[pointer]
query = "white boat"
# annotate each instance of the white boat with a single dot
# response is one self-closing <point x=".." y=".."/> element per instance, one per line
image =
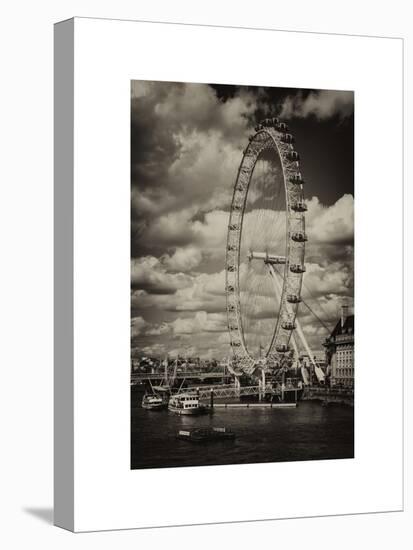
<point x="186" y="403"/>
<point x="153" y="402"/>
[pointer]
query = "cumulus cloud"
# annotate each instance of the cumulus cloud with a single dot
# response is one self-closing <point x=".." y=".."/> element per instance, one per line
<point x="177" y="337"/>
<point x="321" y="104"/>
<point x="157" y="330"/>
<point x="330" y="231"/>
<point x="183" y="259"/>
<point x="185" y="143"/>
<point x="137" y="325"/>
<point x="327" y="279"/>
<point x="183" y="231"/>
<point x="200" y="322"/>
<point x="186" y="148"/>
<point x="205" y="291"/>
<point x="149" y="274"/>
<point x="333" y="224"/>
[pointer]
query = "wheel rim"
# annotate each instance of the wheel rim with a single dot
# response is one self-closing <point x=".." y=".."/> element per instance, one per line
<point x="269" y="135"/>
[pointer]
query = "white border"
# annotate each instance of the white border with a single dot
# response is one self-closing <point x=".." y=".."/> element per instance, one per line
<point x="108" y="54"/>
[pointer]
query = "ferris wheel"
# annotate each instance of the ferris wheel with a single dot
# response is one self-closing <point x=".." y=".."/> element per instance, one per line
<point x="265" y="249"/>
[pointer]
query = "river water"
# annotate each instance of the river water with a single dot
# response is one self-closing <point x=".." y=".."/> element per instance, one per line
<point x="308" y="432"/>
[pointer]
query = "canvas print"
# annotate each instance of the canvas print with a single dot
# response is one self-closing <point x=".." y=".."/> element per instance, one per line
<point x="242" y="274"/>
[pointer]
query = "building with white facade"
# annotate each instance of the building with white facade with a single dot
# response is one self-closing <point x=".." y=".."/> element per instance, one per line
<point x="340" y="351"/>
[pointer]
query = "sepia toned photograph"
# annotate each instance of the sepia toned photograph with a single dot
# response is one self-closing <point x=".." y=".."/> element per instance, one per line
<point x="242" y="274"/>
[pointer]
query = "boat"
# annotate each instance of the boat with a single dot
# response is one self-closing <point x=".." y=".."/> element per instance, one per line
<point x="186" y="403"/>
<point x="152" y="401"/>
<point x="200" y="435"/>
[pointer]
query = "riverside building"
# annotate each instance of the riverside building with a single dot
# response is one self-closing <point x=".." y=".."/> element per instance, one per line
<point x="340" y="351"/>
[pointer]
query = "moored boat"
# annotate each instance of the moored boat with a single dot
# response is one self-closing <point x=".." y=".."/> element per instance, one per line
<point x="206" y="434"/>
<point x="186" y="403"/>
<point x="154" y="402"/>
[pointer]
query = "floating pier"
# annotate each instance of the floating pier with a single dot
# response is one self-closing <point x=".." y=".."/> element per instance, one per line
<point x="259" y="405"/>
<point x="328" y="396"/>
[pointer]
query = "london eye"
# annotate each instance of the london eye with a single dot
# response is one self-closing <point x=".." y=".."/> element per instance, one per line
<point x="265" y="253"/>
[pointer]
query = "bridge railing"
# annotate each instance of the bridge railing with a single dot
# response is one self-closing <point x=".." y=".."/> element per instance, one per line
<point x="185" y="374"/>
<point x="331" y="391"/>
<point x="233" y="391"/>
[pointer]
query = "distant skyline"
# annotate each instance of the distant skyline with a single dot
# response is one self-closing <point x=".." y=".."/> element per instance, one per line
<point x="186" y="146"/>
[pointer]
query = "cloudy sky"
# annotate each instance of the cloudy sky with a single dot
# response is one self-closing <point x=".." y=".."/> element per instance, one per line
<point x="186" y="146"/>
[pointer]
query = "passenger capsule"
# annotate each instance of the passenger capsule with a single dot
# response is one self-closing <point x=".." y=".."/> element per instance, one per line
<point x="293" y="298"/>
<point x="299" y="206"/>
<point x="287" y="138"/>
<point x="282" y="348"/>
<point x="299" y="237"/>
<point x="292" y="155"/>
<point x="296" y="179"/>
<point x="288" y="325"/>
<point x="297" y="268"/>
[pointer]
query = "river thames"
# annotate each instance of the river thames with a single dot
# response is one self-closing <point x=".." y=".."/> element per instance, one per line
<point x="307" y="432"/>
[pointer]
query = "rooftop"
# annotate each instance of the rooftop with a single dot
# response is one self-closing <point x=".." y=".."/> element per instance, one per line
<point x="347" y="328"/>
